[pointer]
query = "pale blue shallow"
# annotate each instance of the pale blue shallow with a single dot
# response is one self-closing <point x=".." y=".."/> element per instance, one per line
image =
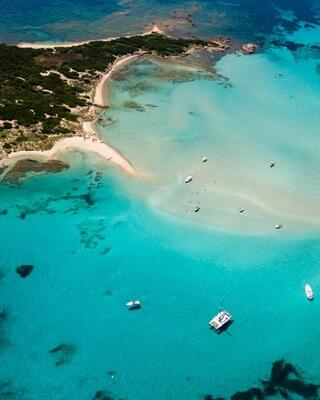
<point x="179" y="271"/>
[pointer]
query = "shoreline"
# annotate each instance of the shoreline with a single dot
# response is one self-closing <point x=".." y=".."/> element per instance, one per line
<point x="88" y="139"/>
<point x="90" y="143"/>
<point x="99" y="99"/>
<point x="46" y="45"/>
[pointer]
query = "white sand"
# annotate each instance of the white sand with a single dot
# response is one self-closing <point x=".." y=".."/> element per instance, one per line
<point x="91" y="144"/>
<point x="154" y="29"/>
<point x="99" y="98"/>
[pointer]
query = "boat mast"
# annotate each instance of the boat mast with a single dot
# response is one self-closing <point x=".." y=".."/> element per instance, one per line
<point x="221" y="303"/>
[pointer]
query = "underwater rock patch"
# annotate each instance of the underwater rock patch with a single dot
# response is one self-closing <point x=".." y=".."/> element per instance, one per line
<point x="4" y="315"/>
<point x="24" y="270"/>
<point x="102" y="395"/>
<point x="133" y="105"/>
<point x="92" y="235"/>
<point x="7" y="391"/>
<point x="22" y="167"/>
<point x="105" y="251"/>
<point x="3" y="212"/>
<point x="63" y="353"/>
<point x="284" y="381"/>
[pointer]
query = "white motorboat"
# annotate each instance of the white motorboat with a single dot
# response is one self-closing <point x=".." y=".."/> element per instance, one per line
<point x="133" y="304"/>
<point x="188" y="179"/>
<point x="205" y="159"/>
<point x="309" y="291"/>
<point x="241" y="210"/>
<point x="272" y="165"/>
<point x="196" y="209"/>
<point x="279" y="226"/>
<point x="222" y="319"/>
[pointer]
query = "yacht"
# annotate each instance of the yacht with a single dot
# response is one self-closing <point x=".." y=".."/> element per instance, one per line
<point x="221" y="320"/>
<point x="188" y="179"/>
<point x="309" y="291"/>
<point x="133" y="305"/>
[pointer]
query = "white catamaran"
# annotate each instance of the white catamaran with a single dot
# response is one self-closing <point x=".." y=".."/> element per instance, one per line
<point x="221" y="320"/>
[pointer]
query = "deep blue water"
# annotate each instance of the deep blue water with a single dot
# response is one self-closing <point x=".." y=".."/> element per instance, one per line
<point x="57" y="20"/>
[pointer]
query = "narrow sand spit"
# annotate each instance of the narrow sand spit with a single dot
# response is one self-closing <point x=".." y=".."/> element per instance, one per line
<point x="91" y="141"/>
<point x="91" y="144"/>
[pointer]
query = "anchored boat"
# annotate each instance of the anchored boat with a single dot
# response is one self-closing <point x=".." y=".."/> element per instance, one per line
<point x="188" y="179"/>
<point x="133" y="305"/>
<point x="221" y="320"/>
<point x="309" y="291"/>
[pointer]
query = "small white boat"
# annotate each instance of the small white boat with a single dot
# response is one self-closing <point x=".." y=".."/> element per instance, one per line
<point x="196" y="209"/>
<point x="222" y="319"/>
<point x="241" y="210"/>
<point x="279" y="226"/>
<point x="188" y="179"/>
<point x="133" y="304"/>
<point x="272" y="165"/>
<point x="205" y="159"/>
<point x="309" y="291"/>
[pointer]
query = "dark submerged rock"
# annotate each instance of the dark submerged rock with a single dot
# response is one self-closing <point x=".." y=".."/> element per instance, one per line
<point x="24" y="270"/>
<point x="102" y="395"/>
<point x="250" y="394"/>
<point x="22" y="167"/>
<point x="285" y="380"/>
<point x="88" y="198"/>
<point x="63" y="353"/>
<point x="7" y="391"/>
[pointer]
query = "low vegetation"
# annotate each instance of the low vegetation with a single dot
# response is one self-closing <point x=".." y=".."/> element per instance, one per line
<point x="42" y="91"/>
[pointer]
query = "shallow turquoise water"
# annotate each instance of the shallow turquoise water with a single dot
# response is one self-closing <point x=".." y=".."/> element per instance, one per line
<point x="179" y="271"/>
<point x="258" y="109"/>
<point x="97" y="239"/>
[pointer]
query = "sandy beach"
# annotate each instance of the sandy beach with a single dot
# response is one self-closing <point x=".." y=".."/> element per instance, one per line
<point x="45" y="45"/>
<point x="100" y="97"/>
<point x="90" y="143"/>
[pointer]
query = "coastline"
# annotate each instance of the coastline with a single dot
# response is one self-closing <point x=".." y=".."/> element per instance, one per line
<point x="87" y="139"/>
<point x="45" y="45"/>
<point x="101" y="99"/>
<point x="90" y="143"/>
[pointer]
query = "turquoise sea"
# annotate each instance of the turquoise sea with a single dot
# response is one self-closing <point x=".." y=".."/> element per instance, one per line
<point x="98" y="238"/>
